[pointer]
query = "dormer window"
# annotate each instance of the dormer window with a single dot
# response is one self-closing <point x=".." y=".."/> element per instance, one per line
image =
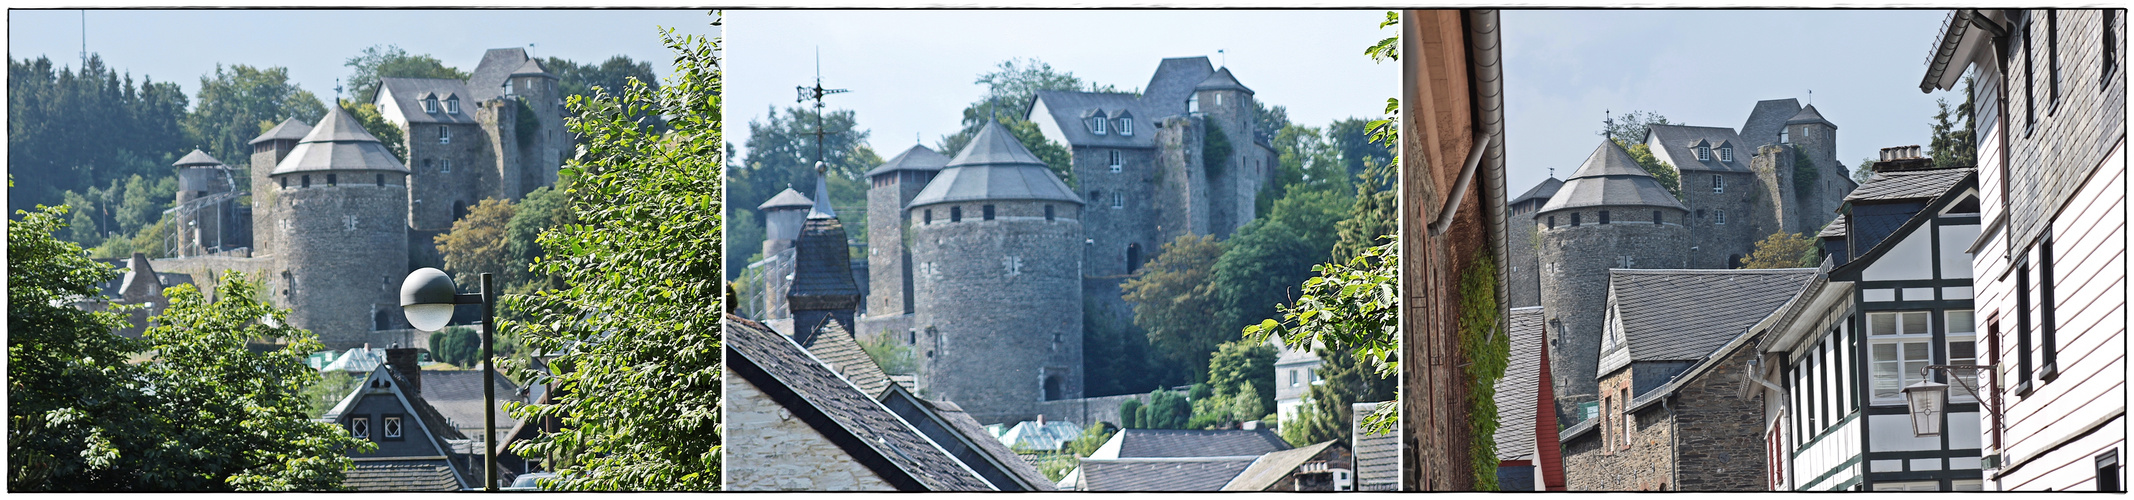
<point x="392" y="428"/>
<point x="1726" y="153"/>
<point x="452" y="105"/>
<point x="1126" y="125"/>
<point x="1117" y="163"/>
<point x="1704" y="153"/>
<point x="1098" y="124"/>
<point x="429" y="104"/>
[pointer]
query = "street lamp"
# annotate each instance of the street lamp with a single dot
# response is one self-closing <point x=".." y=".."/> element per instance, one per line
<point x="1928" y="399"/>
<point x="428" y="298"/>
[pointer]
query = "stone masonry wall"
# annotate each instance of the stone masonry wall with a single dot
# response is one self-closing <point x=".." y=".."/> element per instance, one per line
<point x="1574" y="263"/>
<point x="999" y="307"/>
<point x="433" y="190"/>
<point x="1086" y="411"/>
<point x="1720" y="446"/>
<point x="781" y="453"/>
<point x="1743" y="199"/>
<point x="265" y="219"/>
<point x="1524" y="245"/>
<point x="344" y="255"/>
<point x="1613" y="458"/>
<point x="888" y="259"/>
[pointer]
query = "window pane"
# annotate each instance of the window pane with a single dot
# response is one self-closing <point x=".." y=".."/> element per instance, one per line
<point x="1961" y="321"/>
<point x="1915" y="323"/>
<point x="1881" y="324"/>
<point x="1915" y="351"/>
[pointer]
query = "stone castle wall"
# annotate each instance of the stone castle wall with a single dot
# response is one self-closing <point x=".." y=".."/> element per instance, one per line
<point x="266" y="221"/>
<point x="1616" y="456"/>
<point x="1721" y="446"/>
<point x="1086" y="411"/>
<point x="1718" y="242"/>
<point x="888" y="258"/>
<point x="434" y="191"/>
<point x="998" y="311"/>
<point x="1574" y="263"/>
<point x="1523" y="277"/>
<point x="344" y="255"/>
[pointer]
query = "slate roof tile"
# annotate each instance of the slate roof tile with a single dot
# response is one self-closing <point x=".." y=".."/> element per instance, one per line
<point x="401" y="475"/>
<point x="1155" y="443"/>
<point x="1272" y="467"/>
<point x="1908" y="185"/>
<point x="1377" y="455"/>
<point x="1683" y="314"/>
<point x="1609" y="177"/>
<point x="1521" y="384"/>
<point x="1162" y="474"/>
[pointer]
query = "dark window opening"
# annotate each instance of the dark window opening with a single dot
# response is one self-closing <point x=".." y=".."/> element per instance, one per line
<point x="1733" y="261"/>
<point x="381" y="320"/>
<point x="1656" y="217"/>
<point x="1700" y="213"/>
<point x="955" y="214"/>
<point x="1048" y="213"/>
<point x="307" y="181"/>
<point x="2111" y="45"/>
<point x="988" y="211"/>
<point x="459" y="210"/>
<point x="425" y="163"/>
<point x="381" y="179"/>
<point x="1604" y="216"/>
<point x="1133" y="257"/>
<point x="2108" y="471"/>
<point x="2052" y="57"/>
<point x="2023" y="329"/>
<point x="2030" y="80"/>
<point x="285" y="183"/>
<point x="1052" y="387"/>
<point x="1574" y="219"/>
<point x="333" y="180"/>
<point x="929" y="216"/>
<point x="2047" y="317"/>
<point x="1552" y="222"/>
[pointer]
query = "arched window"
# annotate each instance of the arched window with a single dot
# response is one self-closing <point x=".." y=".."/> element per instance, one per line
<point x="1133" y="257"/>
<point x="1052" y="387"/>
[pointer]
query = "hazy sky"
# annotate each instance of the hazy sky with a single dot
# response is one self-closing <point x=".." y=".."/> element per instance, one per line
<point x="182" y="45"/>
<point x="911" y="72"/>
<point x="1565" y="68"/>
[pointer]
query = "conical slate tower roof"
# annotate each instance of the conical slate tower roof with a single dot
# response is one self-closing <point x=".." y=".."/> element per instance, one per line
<point x="787" y="199"/>
<point x="1221" y="80"/>
<point x="532" y="67"/>
<point x="1610" y="177"/>
<point x="995" y="166"/>
<point x="1808" y="114"/>
<point x="821" y="209"/>
<point x="290" y="129"/>
<point x="197" y="158"/>
<point x="918" y="158"/>
<point x="339" y="143"/>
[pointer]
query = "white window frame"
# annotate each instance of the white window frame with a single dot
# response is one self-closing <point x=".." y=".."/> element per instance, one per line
<point x="1193" y="103"/>
<point x="1097" y="126"/>
<point x="1961" y="332"/>
<point x="429" y="104"/>
<point x="1293" y="378"/>
<point x="1894" y="370"/>
<point x="1118" y="200"/>
<point x="1719" y="217"/>
<point x="1718" y="183"/>
<point x="1726" y="154"/>
<point x="1126" y="125"/>
<point x="444" y="165"/>
<point x="1118" y="162"/>
<point x="393" y="428"/>
<point x="359" y="427"/>
<point x="1785" y="135"/>
<point x="452" y="105"/>
<point x="1704" y="153"/>
<point x="444" y="134"/>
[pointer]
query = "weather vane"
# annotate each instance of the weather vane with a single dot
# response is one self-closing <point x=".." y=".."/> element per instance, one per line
<point x="1609" y="130"/>
<point x="816" y="94"/>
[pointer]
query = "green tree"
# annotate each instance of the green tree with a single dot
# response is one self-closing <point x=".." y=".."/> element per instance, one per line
<point x="1303" y="160"/>
<point x="333" y="386"/>
<point x="1262" y="263"/>
<point x="1011" y="89"/>
<point x="379" y="62"/>
<point x="1864" y="172"/>
<point x="1092" y="437"/>
<point x="635" y="325"/>
<point x="781" y="154"/>
<point x="1374" y="216"/>
<point x="1661" y="171"/>
<point x="612" y="74"/>
<point x="1351" y="140"/>
<point x="1174" y="299"/>
<point x="391" y="135"/>
<point x="233" y="101"/>
<point x="1954" y="144"/>
<point x="1344" y="380"/>
<point x="475" y="244"/>
<point x="1630" y="128"/>
<point x="1165" y="410"/>
<point x="85" y="412"/>
<point x="894" y="357"/>
<point x="1243" y="374"/>
<point x="1130" y="414"/>
<point x="1350" y="306"/>
<point x="1783" y="250"/>
<point x="456" y="345"/>
<point x="76" y="130"/>
<point x="545" y="207"/>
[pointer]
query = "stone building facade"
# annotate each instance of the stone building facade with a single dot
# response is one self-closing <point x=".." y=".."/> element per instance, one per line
<point x="1708" y="437"/>
<point x="341" y="198"/>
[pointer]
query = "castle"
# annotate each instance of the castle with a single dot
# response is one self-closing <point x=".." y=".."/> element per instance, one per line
<point x="1737" y="187"/>
<point x="336" y="220"/>
<point x="986" y="263"/>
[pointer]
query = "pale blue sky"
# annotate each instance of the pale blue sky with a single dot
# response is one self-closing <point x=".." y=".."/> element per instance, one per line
<point x="1565" y="68"/>
<point x="911" y="72"/>
<point x="182" y="45"/>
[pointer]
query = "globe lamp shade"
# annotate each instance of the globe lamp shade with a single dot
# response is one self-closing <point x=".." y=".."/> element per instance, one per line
<point x="428" y="298"/>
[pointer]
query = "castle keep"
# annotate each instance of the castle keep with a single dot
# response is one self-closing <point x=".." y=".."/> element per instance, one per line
<point x="337" y="220"/>
<point x="985" y="263"/>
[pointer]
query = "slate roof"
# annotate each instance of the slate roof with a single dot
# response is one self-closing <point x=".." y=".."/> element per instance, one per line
<point x="197" y="158"/>
<point x="408" y="93"/>
<point x="1908" y="185"/>
<point x="786" y="199"/>
<point x="532" y="67"/>
<point x="822" y="269"/>
<point x="1809" y="115"/>
<point x="401" y="475"/>
<point x="839" y="352"/>
<point x="1609" y="177"/>
<point x="1679" y="140"/>
<point x="1521" y="384"/>
<point x="1767" y="119"/>
<point x="1221" y="80"/>
<point x="357" y="359"/>
<point x="995" y="166"/>
<point x="1068" y="108"/>
<point x="443" y="437"/>
<point x="918" y="158"/>
<point x="1683" y="314"/>
<point x="1835" y="229"/>
<point x="1028" y="434"/>
<point x="497" y="65"/>
<point x="1173" y="81"/>
<point x="339" y="143"/>
<point x="1272" y="467"/>
<point x="1545" y="190"/>
<point x="851" y="411"/>
<point x="1161" y="474"/>
<point x="457" y="394"/>
<point x="1377" y="455"/>
<point x="290" y="129"/>
<point x="962" y="423"/>
<point x="1174" y="443"/>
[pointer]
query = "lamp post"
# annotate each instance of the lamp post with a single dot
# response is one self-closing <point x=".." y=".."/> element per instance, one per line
<point x="428" y="298"/>
<point x="1928" y="399"/>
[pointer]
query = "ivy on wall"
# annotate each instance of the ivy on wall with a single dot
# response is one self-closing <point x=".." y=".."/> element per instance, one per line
<point x="1214" y="149"/>
<point x="1487" y="350"/>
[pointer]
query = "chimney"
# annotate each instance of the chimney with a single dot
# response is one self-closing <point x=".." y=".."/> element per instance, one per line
<point x="1902" y="158"/>
<point x="407" y="364"/>
<point x="1040" y="420"/>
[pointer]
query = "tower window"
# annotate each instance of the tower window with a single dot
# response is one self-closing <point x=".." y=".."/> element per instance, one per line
<point x="1118" y="200"/>
<point x="1574" y="219"/>
<point x="333" y="180"/>
<point x="452" y="105"/>
<point x="1718" y="184"/>
<point x="1133" y="257"/>
<point x="929" y="216"/>
<point x="285" y="183"/>
<point x="1218" y="98"/>
<point x="381" y="179"/>
<point x="955" y="214"/>
<point x="1048" y="213"/>
<point x="1656" y="217"/>
<point x="1604" y="216"/>
<point x="307" y="181"/>
<point x="427" y="164"/>
<point x="444" y="134"/>
<point x="988" y="211"/>
<point x="1718" y="216"/>
<point x="1552" y="222"/>
<point x="1117" y="162"/>
<point x="1193" y="103"/>
<point x="1784" y="137"/>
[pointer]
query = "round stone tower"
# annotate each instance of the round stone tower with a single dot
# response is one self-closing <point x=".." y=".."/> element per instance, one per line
<point x="893" y="185"/>
<point x="203" y="182"/>
<point x="267" y="151"/>
<point x="1610" y="214"/>
<point x="1227" y="105"/>
<point x="343" y="201"/>
<point x="541" y="149"/>
<point x="782" y="216"/>
<point x="996" y="252"/>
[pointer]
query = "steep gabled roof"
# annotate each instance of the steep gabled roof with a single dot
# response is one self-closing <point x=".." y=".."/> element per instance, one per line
<point x="497" y="65"/>
<point x="833" y="407"/>
<point x="952" y="428"/>
<point x="532" y="67"/>
<point x="1160" y="474"/>
<point x="1609" y="177"/>
<point x="1836" y="229"/>
<point x="1683" y="314"/>
<point x="1520" y="385"/>
<point x="1545" y="190"/>
<point x="839" y="352"/>
<point x="408" y="94"/>
<point x="1174" y="80"/>
<point x="1808" y="114"/>
<point x="1767" y="119"/>
<point x="1172" y="443"/>
<point x="339" y="143"/>
<point x="995" y="166"/>
<point x="1066" y="109"/>
<point x="384" y="381"/>
<point x="1272" y="467"/>
<point x="1680" y="141"/>
<point x="290" y="129"/>
<point x="918" y="158"/>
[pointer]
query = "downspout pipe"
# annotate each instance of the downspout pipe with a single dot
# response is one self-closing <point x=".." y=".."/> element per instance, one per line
<point x="1459" y="187"/>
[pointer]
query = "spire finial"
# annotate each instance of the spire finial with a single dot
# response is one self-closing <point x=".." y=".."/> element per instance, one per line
<point x="1608" y="130"/>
